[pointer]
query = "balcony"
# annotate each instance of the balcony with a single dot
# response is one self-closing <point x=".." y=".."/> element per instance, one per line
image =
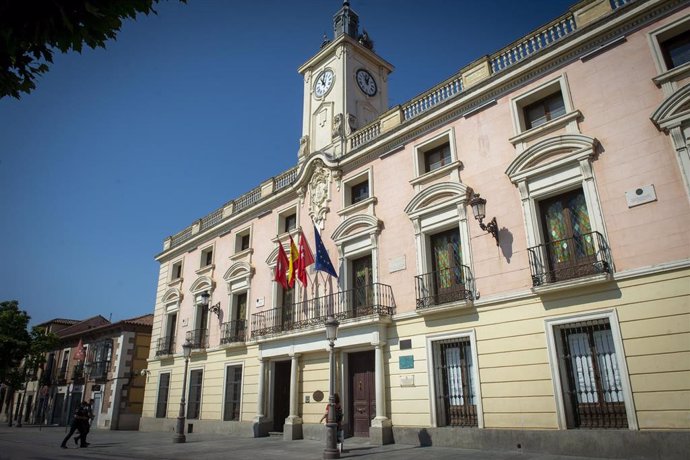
<point x="99" y="370"/>
<point x="165" y="346"/>
<point x="198" y="338"/>
<point x="446" y="286"/>
<point x="569" y="259"/>
<point x="78" y="373"/>
<point x="373" y="299"/>
<point x="233" y="331"/>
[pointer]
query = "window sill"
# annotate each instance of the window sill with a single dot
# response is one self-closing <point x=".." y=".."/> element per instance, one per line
<point x="175" y="282"/>
<point x="550" y="125"/>
<point x="572" y="284"/>
<point x="206" y="269"/>
<point x="445" y="308"/>
<point x="283" y="236"/>
<point x="676" y="73"/>
<point x="427" y="177"/>
<point x="359" y="206"/>
<point x="241" y="254"/>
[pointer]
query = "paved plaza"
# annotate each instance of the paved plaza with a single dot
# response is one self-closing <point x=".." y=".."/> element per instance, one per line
<point x="43" y="443"/>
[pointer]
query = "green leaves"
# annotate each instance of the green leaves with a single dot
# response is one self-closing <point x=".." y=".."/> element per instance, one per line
<point x="31" y="29"/>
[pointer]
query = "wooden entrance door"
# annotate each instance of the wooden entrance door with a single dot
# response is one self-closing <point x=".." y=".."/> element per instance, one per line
<point x="362" y="392"/>
<point x="281" y="394"/>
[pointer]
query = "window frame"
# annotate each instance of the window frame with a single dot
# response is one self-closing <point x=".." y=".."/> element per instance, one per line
<point x="177" y="265"/>
<point x="348" y="207"/>
<point x="239" y="240"/>
<point x="207" y="251"/>
<point x="158" y="396"/>
<point x="428" y="145"/>
<point x="430" y="341"/>
<point x="656" y="40"/>
<point x="283" y="215"/>
<point x="241" y="392"/>
<point x="189" y="394"/>
<point x="519" y="103"/>
<point x="550" y="325"/>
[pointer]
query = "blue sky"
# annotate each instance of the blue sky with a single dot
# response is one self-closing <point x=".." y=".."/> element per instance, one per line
<point x="118" y="148"/>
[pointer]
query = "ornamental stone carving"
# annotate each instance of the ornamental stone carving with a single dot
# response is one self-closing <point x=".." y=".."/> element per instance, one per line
<point x="303" y="147"/>
<point x="318" y="193"/>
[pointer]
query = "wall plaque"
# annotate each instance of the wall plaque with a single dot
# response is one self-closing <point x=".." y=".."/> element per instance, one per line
<point x="406" y="362"/>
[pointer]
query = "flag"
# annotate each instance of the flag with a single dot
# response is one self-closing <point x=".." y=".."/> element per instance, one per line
<point x="323" y="262"/>
<point x="292" y="263"/>
<point x="281" y="266"/>
<point x="79" y="354"/>
<point x="306" y="258"/>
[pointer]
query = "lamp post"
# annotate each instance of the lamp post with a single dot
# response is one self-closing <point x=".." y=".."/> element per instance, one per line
<point x="179" y="429"/>
<point x="331" y="450"/>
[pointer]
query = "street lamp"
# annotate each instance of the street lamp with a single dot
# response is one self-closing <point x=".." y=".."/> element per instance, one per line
<point x="331" y="450"/>
<point x="179" y="429"/>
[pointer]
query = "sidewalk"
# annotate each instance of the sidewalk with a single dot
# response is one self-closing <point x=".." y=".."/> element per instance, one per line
<point x="40" y="443"/>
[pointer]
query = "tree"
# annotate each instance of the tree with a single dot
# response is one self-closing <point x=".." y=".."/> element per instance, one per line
<point x="31" y="29"/>
<point x="42" y="342"/>
<point x="15" y="343"/>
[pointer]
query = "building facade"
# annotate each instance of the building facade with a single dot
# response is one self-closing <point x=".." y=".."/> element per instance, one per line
<point x="511" y="245"/>
<point x="96" y="360"/>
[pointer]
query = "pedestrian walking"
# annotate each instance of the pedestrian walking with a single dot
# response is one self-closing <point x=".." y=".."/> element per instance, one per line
<point x="88" y="408"/>
<point x="338" y="418"/>
<point x="79" y="420"/>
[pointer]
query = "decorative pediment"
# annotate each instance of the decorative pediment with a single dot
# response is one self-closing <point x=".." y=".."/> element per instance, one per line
<point x="674" y="110"/>
<point x="238" y="270"/>
<point x="273" y="256"/>
<point x="203" y="283"/>
<point x="356" y="225"/>
<point x="551" y="153"/>
<point x="172" y="295"/>
<point x="437" y="195"/>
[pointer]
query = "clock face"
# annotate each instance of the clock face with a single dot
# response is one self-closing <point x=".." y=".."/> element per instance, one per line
<point x="366" y="82"/>
<point x="323" y="83"/>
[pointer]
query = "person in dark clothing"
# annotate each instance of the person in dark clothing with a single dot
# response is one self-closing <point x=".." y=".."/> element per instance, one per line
<point x="80" y="418"/>
<point x="86" y="425"/>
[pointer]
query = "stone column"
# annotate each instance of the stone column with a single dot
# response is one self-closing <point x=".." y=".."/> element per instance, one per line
<point x="381" y="431"/>
<point x="260" y="426"/>
<point x="293" y="423"/>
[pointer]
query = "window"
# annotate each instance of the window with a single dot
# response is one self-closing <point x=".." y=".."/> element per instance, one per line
<point x="287" y="297"/>
<point x="436" y="158"/>
<point x="538" y="113"/>
<point x="455" y="389"/>
<point x="358" y="189"/>
<point x="233" y="393"/>
<point x="166" y="344"/>
<point x="442" y="243"/>
<point x="243" y="240"/>
<point x="359" y="192"/>
<point x="101" y="355"/>
<point x="676" y="50"/>
<point x="206" y="257"/>
<point x="434" y="155"/>
<point x="563" y="220"/>
<point x="63" y="367"/>
<point x="163" y="389"/>
<point x="176" y="272"/>
<point x="590" y="374"/>
<point x="548" y="107"/>
<point x="570" y="245"/>
<point x="194" y="407"/>
<point x="290" y="222"/>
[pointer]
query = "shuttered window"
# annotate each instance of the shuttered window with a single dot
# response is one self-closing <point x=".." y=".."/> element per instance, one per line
<point x="163" y="388"/>
<point x="233" y="393"/>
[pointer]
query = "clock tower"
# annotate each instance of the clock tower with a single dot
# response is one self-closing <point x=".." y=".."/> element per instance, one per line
<point x="345" y="87"/>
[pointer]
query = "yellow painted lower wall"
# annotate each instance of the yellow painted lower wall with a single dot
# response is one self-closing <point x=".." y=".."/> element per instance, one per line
<point x="514" y="365"/>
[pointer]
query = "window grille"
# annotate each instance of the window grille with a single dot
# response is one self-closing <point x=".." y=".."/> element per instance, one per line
<point x="456" y="397"/>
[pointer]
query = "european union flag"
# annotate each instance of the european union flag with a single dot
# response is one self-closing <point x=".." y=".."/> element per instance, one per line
<point x="322" y="262"/>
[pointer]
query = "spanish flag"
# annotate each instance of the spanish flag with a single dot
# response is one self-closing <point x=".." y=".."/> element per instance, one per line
<point x="292" y="263"/>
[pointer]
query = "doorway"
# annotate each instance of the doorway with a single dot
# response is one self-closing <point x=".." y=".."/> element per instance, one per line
<point x="281" y="394"/>
<point x="362" y="392"/>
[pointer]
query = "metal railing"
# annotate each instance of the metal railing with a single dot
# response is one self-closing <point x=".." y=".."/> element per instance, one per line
<point x="372" y="299"/>
<point x="99" y="370"/>
<point x="78" y="373"/>
<point x="165" y="346"/>
<point x="233" y="331"/>
<point x="285" y="179"/>
<point x="454" y="284"/>
<point x="198" y="338"/>
<point x="569" y="258"/>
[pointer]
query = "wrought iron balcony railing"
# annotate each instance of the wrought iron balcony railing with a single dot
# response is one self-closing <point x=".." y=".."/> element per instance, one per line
<point x="165" y="346"/>
<point x="569" y="258"/>
<point x="78" y="373"/>
<point x="372" y="299"/>
<point x="99" y="370"/>
<point x="453" y="284"/>
<point x="198" y="338"/>
<point x="233" y="331"/>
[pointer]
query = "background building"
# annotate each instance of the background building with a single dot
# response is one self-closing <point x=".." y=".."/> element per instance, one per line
<point x="95" y="360"/>
<point x="561" y="324"/>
